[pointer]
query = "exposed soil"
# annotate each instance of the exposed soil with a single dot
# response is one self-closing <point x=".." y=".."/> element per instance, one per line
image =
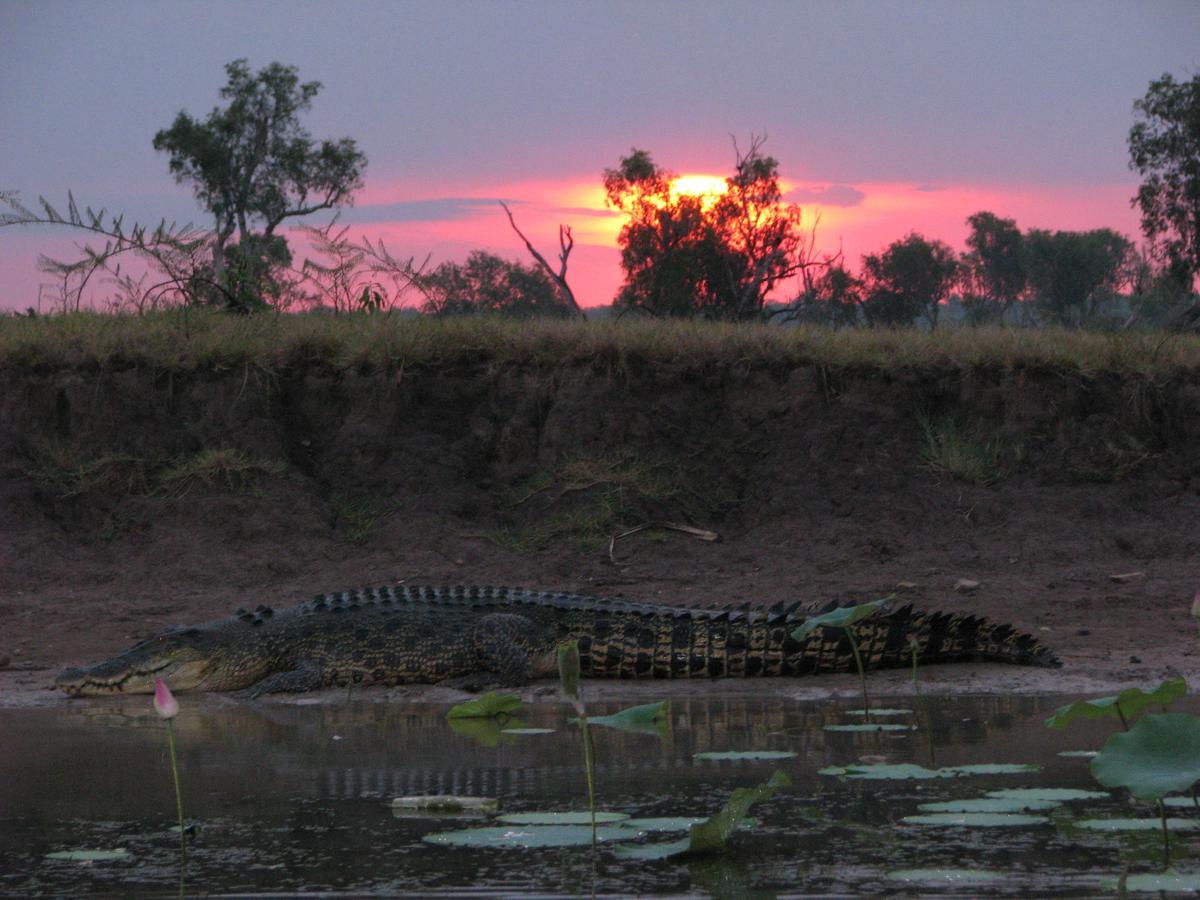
<point x="814" y="479"/>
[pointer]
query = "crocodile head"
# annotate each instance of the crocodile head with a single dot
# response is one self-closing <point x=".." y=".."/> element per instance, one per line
<point x="182" y="657"/>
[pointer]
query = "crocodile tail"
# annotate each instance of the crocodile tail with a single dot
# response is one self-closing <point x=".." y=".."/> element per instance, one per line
<point x="955" y="637"/>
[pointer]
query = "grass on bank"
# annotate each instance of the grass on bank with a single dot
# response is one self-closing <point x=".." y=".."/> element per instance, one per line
<point x="203" y="340"/>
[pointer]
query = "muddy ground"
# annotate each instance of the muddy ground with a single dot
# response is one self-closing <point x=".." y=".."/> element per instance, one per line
<point x="818" y="482"/>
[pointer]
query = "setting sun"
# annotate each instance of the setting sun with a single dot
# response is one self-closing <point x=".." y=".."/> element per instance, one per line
<point x="698" y="186"/>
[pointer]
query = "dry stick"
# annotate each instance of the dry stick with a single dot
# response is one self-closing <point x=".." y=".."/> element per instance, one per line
<point x="566" y="243"/>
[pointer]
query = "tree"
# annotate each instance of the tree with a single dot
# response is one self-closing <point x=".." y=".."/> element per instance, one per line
<point x="994" y="268"/>
<point x="252" y="165"/>
<point x="832" y="298"/>
<point x="908" y="279"/>
<point x="488" y="284"/>
<point x="717" y="255"/>
<point x="1164" y="148"/>
<point x="1073" y="273"/>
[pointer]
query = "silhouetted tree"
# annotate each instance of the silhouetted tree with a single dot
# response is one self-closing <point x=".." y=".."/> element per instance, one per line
<point x="994" y="271"/>
<point x="831" y="298"/>
<point x="1073" y="273"/>
<point x="1164" y="148"/>
<point x="488" y="284"/>
<point x="908" y="279"/>
<point x="715" y="256"/>
<point x="252" y="166"/>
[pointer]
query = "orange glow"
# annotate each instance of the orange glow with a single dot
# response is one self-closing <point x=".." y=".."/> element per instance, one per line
<point x="708" y="187"/>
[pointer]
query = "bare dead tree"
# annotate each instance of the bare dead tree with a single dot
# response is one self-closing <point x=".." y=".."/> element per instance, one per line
<point x="566" y="243"/>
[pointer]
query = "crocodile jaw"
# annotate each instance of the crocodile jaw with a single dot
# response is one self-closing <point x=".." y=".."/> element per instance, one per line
<point x="104" y="680"/>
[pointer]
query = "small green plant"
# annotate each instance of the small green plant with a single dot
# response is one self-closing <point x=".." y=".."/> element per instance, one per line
<point x="221" y="467"/>
<point x="845" y="617"/>
<point x="358" y="517"/>
<point x="950" y="450"/>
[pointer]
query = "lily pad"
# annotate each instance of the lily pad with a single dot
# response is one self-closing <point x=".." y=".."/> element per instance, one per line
<point x="562" y="818"/>
<point x="487" y="731"/>
<point x="486" y="706"/>
<point x="89" y="855"/>
<point x="907" y="771"/>
<point x="506" y="837"/>
<point x="1138" y="824"/>
<point x="945" y="876"/>
<point x="745" y="754"/>
<point x="976" y="820"/>
<point x="1058" y="795"/>
<point x="882" y="726"/>
<point x="1164" y="882"/>
<point x="988" y="805"/>
<point x="648" y="718"/>
<point x="1128" y="703"/>
<point x="1082" y="754"/>
<point x="1160" y="755"/>
<point x="842" y="617"/>
<point x="675" y="823"/>
<point x="990" y="769"/>
<point x="653" y="851"/>
<point x="882" y="711"/>
<point x="446" y="803"/>
<point x="527" y="731"/>
<point x="1186" y="802"/>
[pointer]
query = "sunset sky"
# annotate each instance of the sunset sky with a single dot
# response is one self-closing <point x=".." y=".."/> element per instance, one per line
<point x="885" y="117"/>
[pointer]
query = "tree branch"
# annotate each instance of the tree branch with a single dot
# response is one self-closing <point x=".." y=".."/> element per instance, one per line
<point x="566" y="243"/>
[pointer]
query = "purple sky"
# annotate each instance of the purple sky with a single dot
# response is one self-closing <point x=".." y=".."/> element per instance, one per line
<point x="885" y="116"/>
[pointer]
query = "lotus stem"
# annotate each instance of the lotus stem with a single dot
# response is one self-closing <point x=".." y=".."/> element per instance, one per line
<point x="178" y="791"/>
<point x="862" y="674"/>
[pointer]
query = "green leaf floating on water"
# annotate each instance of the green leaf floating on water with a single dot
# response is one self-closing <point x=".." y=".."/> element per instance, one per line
<point x="1188" y="802"/>
<point x="562" y="818"/>
<point x="1137" y="824"/>
<point x="1128" y="703"/>
<point x="988" y="805"/>
<point x="976" y="820"/>
<point x="649" y="718"/>
<point x="1058" y="795"/>
<point x="904" y="771"/>
<point x="675" y="823"/>
<point x="1165" y="882"/>
<point x="486" y="706"/>
<point x="711" y="835"/>
<point x="527" y="731"/>
<point x="842" y="617"/>
<point x="880" y="726"/>
<point x="506" y="837"/>
<point x="876" y="713"/>
<point x="745" y="754"/>
<point x="89" y="855"/>
<point x="946" y="876"/>
<point x="1160" y="755"/>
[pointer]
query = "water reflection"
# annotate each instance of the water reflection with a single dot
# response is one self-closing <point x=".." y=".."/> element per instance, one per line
<point x="295" y="796"/>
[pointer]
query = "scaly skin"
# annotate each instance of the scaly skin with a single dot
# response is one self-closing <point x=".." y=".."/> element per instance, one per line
<point x="399" y="635"/>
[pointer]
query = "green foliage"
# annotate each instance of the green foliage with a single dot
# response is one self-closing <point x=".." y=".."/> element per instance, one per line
<point x="951" y="450"/>
<point x="488" y="284"/>
<point x="1124" y="706"/>
<point x="485" y="706"/>
<point x="568" y="672"/>
<point x="1074" y="273"/>
<point x="1158" y="756"/>
<point x="647" y="718"/>
<point x="712" y="256"/>
<point x="712" y="835"/>
<point x="908" y="279"/>
<point x="842" y="617"/>
<point x="994" y="270"/>
<point x="252" y="164"/>
<point x="357" y="516"/>
<point x="1164" y="148"/>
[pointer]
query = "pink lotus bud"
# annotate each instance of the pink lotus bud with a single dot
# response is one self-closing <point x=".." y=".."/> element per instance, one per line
<point x="164" y="703"/>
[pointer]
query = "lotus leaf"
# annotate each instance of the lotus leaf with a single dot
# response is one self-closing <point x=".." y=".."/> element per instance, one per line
<point x="1160" y="755"/>
<point x="842" y="617"/>
<point x="1126" y="704"/>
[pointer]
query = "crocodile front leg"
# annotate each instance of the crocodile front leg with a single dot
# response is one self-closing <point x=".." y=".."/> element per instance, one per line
<point x="306" y="676"/>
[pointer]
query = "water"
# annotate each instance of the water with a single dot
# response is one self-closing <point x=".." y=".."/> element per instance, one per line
<point x="294" y="797"/>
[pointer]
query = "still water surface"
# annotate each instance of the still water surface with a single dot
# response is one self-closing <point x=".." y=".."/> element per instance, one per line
<point x="293" y="797"/>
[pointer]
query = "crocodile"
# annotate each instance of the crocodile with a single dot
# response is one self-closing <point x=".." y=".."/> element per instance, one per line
<point x="470" y="636"/>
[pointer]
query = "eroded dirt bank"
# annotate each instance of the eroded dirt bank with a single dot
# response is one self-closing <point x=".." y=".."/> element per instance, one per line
<point x="134" y="499"/>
